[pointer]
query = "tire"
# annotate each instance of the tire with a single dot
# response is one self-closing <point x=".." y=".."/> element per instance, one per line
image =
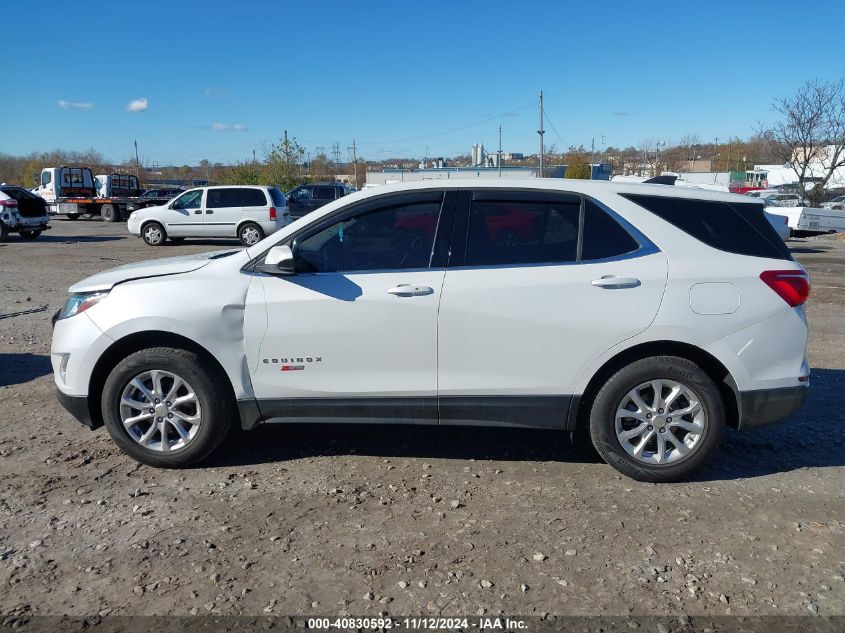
<point x="699" y="432"/>
<point x="30" y="235"/>
<point x="4" y="232"/>
<point x="109" y="213"/>
<point x="72" y="216"/>
<point x="153" y="234"/>
<point x="250" y="234"/>
<point x="211" y="404"/>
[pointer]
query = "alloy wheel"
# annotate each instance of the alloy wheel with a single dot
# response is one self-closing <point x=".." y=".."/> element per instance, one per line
<point x="160" y="411"/>
<point x="660" y="422"/>
<point x="153" y="234"/>
<point x="250" y="236"/>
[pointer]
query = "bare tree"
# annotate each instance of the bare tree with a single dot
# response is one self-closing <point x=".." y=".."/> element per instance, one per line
<point x="811" y="132"/>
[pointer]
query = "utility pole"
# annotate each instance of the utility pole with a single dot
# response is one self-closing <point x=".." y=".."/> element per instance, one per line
<point x="540" y="133"/>
<point x="137" y="163"/>
<point x="355" y="162"/>
<point x="253" y="155"/>
<point x="715" y="154"/>
<point x="593" y="152"/>
<point x="500" y="151"/>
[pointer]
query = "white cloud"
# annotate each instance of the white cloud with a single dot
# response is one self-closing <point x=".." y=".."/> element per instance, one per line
<point x="75" y="105"/>
<point x="228" y="127"/>
<point x="137" y="105"/>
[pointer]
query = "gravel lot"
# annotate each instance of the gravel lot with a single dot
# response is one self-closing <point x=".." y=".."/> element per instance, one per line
<point x="333" y="520"/>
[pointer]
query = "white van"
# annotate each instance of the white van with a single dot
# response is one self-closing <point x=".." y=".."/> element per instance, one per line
<point x="247" y="212"/>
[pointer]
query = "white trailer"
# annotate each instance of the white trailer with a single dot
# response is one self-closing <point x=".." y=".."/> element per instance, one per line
<point x="804" y="221"/>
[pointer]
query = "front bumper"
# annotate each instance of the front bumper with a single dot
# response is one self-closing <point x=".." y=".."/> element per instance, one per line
<point x="78" y="407"/>
<point x="765" y="406"/>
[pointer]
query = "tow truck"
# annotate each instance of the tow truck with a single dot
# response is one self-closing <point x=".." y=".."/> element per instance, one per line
<point x="75" y="191"/>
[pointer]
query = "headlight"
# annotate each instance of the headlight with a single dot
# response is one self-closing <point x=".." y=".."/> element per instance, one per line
<point x="80" y="302"/>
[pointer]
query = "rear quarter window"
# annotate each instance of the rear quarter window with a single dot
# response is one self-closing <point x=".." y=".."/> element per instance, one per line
<point x="732" y="227"/>
<point x="278" y="197"/>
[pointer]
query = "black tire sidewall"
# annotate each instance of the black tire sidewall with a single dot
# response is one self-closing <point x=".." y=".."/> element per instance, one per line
<point x="217" y="410"/>
<point x="602" y="417"/>
<point x="30" y="235"/>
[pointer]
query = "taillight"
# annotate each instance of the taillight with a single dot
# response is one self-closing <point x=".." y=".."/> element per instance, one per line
<point x="272" y="213"/>
<point x="793" y="286"/>
<point x="8" y="203"/>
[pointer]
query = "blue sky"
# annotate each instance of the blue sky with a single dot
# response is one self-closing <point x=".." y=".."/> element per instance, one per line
<point x="403" y="78"/>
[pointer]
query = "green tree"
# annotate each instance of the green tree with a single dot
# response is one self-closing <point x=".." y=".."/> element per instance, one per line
<point x="578" y="167"/>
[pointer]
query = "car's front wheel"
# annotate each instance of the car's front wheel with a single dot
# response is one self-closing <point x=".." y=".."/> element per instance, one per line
<point x="658" y="419"/>
<point x="153" y="234"/>
<point x="167" y="407"/>
<point x="30" y="235"/>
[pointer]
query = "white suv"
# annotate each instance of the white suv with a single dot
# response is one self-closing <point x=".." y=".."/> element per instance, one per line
<point x="652" y="316"/>
<point x="249" y="213"/>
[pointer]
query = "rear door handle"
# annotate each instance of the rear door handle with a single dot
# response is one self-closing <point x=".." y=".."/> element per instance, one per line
<point x="612" y="281"/>
<point x="407" y="290"/>
<point x="209" y="211"/>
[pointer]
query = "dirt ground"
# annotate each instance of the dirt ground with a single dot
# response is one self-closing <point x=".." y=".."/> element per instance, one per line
<point x="407" y="520"/>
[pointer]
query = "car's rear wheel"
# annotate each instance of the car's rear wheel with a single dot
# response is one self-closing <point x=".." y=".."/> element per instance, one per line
<point x="658" y="419"/>
<point x="108" y="213"/>
<point x="167" y="407"/>
<point x="250" y="234"/>
<point x="72" y="216"/>
<point x="153" y="234"/>
<point x="30" y="235"/>
<point x="4" y="232"/>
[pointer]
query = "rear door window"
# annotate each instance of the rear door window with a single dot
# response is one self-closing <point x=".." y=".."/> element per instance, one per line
<point x="604" y="237"/>
<point x="732" y="227"/>
<point x="253" y="198"/>
<point x="508" y="232"/>
<point x="222" y="198"/>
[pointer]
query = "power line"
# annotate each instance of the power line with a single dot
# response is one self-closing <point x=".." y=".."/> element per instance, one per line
<point x="450" y="131"/>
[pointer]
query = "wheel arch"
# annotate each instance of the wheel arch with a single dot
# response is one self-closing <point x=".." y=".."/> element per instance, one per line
<point x="718" y="373"/>
<point x="135" y="342"/>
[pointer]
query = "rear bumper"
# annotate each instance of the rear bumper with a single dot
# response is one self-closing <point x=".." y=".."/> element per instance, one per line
<point x="766" y="406"/>
<point x="77" y="406"/>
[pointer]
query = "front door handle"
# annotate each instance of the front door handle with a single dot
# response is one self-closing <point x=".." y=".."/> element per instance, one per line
<point x="197" y="212"/>
<point x="612" y="281"/>
<point x="407" y="290"/>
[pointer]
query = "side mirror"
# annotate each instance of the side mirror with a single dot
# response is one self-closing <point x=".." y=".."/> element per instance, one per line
<point x="289" y="198"/>
<point x="278" y="261"/>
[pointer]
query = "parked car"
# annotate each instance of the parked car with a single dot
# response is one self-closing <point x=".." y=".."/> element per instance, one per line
<point x="23" y="212"/>
<point x="249" y="213"/>
<point x="304" y="199"/>
<point x="778" y="199"/>
<point x="837" y="203"/>
<point x="780" y="223"/>
<point x="168" y="194"/>
<point x="653" y="317"/>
